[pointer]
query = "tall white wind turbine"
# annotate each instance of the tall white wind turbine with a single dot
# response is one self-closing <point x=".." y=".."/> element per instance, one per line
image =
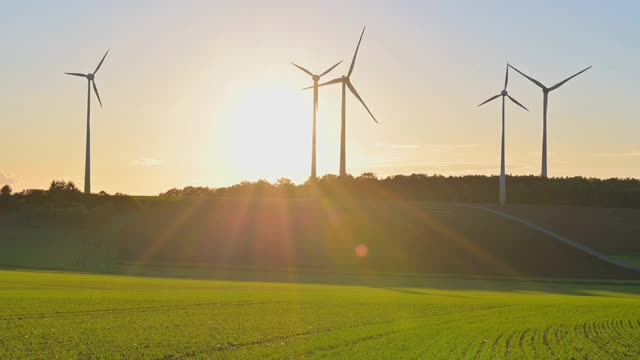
<point x="315" y="78"/>
<point x="345" y="80"/>
<point x="503" y="94"/>
<point x="90" y="82"/>
<point x="545" y="101"/>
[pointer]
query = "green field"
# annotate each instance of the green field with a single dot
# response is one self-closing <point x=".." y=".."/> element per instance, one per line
<point x="629" y="258"/>
<point x="404" y="237"/>
<point x="47" y="315"/>
<point x="280" y="279"/>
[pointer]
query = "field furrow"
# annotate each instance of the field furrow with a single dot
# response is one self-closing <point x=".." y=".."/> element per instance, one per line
<point x="114" y="317"/>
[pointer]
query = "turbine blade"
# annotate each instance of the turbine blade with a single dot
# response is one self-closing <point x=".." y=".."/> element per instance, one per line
<point x="506" y="77"/>
<point x="77" y="74"/>
<point x="330" y="82"/>
<point x="95" y="88"/>
<point x="353" y="61"/>
<point x="516" y="102"/>
<point x="490" y="99"/>
<point x="529" y="77"/>
<point x="101" y="61"/>
<point x="567" y="79"/>
<point x="301" y="68"/>
<point x="354" y="92"/>
<point x="331" y="68"/>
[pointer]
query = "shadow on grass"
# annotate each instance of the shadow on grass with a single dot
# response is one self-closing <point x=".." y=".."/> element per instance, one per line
<point x="411" y="245"/>
<point x="410" y="284"/>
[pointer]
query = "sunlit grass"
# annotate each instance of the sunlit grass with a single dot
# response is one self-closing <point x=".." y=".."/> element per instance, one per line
<point x="64" y="315"/>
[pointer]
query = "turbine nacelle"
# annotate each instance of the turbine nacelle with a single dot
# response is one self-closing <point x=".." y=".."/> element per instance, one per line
<point x="315" y="77"/>
<point x="91" y="77"/>
<point x="504" y="93"/>
<point x="544" y="88"/>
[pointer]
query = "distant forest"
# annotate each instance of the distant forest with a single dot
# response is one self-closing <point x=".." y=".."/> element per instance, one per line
<point x="63" y="195"/>
<point x="420" y="187"/>
<point x="578" y="191"/>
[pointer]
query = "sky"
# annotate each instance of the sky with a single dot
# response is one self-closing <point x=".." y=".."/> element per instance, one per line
<point x="202" y="92"/>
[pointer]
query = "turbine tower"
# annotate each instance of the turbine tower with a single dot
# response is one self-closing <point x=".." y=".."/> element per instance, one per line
<point x="315" y="78"/>
<point x="503" y="94"/>
<point x="90" y="81"/>
<point x="345" y="80"/>
<point x="545" y="101"/>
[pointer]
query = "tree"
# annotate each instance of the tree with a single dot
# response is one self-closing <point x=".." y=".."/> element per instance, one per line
<point x="367" y="176"/>
<point x="285" y="183"/>
<point x="329" y="178"/>
<point x="6" y="190"/>
<point x="61" y="185"/>
<point x="172" y="192"/>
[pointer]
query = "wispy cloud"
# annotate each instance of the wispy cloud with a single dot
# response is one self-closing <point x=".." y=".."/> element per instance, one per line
<point x="618" y="154"/>
<point x="433" y="147"/>
<point x="535" y="154"/>
<point x="401" y="146"/>
<point x="455" y="146"/>
<point x="453" y="167"/>
<point x="624" y="151"/>
<point x="144" y="161"/>
<point x="6" y="178"/>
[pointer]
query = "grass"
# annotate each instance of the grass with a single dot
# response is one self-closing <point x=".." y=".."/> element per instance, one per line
<point x="629" y="258"/>
<point x="289" y="285"/>
<point x="46" y="315"/>
<point x="404" y="237"/>
<point x="400" y="236"/>
<point x="610" y="231"/>
<point x="57" y="247"/>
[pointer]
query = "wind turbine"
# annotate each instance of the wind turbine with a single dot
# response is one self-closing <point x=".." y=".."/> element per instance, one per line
<point x="345" y="80"/>
<point x="545" y="100"/>
<point x="503" y="94"/>
<point x="315" y="78"/>
<point x="90" y="81"/>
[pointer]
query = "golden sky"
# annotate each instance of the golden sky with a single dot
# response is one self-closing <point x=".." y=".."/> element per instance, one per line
<point x="202" y="93"/>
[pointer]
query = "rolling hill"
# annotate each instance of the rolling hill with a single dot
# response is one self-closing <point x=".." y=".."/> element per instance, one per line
<point x="349" y="236"/>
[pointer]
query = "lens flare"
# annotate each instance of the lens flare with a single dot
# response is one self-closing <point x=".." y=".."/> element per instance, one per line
<point x="361" y="250"/>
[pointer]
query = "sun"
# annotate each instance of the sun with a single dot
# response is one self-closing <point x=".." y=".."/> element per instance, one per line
<point x="269" y="133"/>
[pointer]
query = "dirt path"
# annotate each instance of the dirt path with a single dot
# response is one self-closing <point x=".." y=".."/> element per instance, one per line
<point x="572" y="243"/>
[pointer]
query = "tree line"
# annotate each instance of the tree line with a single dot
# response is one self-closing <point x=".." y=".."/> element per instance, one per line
<point x="579" y="191"/>
<point x="63" y="202"/>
